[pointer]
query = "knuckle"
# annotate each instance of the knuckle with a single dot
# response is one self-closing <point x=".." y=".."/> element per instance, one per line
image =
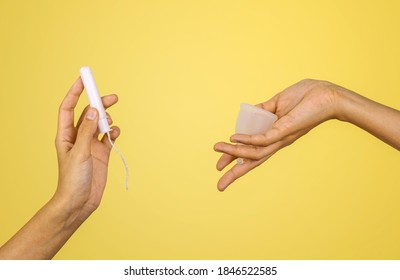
<point x="255" y="153"/>
<point x="307" y="80"/>
<point x="268" y="138"/>
<point x="289" y="121"/>
<point x="78" y="155"/>
<point x="57" y="143"/>
<point x="254" y="139"/>
<point x="61" y="107"/>
<point x="260" y="154"/>
<point x="261" y="140"/>
<point x="93" y="206"/>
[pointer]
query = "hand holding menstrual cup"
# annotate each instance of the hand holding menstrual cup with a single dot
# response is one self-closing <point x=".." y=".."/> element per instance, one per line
<point x="253" y="120"/>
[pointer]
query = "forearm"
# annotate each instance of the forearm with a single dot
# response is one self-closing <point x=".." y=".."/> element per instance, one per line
<point x="44" y="234"/>
<point x="381" y="121"/>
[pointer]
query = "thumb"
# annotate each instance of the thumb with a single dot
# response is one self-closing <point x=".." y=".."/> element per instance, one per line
<point x="270" y="105"/>
<point x="86" y="131"/>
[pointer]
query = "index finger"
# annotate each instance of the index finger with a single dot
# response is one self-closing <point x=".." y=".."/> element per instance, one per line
<point x="66" y="110"/>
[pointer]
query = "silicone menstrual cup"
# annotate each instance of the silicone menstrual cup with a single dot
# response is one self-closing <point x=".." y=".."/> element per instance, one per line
<point x="253" y="120"/>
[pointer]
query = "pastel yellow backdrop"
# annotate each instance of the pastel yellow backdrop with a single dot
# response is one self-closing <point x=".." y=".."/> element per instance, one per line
<point x="181" y="69"/>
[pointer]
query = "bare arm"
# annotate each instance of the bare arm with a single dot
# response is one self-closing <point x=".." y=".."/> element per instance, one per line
<point x="381" y="121"/>
<point x="44" y="235"/>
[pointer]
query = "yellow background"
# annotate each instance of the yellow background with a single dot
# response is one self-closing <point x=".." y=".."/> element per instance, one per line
<point x="181" y="69"/>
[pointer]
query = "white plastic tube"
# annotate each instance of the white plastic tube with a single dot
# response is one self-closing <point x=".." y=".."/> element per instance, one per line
<point x="253" y="120"/>
<point x="94" y="97"/>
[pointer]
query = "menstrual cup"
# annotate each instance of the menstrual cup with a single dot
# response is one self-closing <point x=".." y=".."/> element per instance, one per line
<point x="253" y="120"/>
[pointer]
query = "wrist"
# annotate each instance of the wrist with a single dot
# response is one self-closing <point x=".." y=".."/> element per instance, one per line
<point x="70" y="214"/>
<point x="340" y="97"/>
<point x="344" y="99"/>
<point x="328" y="98"/>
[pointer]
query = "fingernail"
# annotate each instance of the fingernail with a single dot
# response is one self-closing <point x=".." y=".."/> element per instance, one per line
<point x="91" y="114"/>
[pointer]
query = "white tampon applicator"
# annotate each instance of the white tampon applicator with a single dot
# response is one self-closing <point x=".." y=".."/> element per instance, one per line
<point x="95" y="101"/>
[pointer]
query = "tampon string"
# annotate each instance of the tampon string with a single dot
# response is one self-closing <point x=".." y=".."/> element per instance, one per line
<point x="122" y="158"/>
